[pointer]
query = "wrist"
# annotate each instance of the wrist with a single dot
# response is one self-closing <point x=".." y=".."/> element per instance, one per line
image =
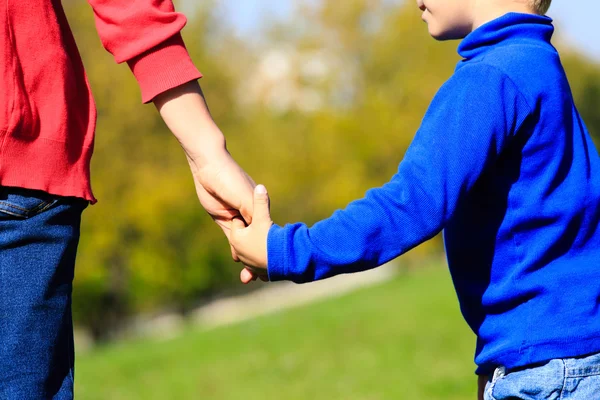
<point x="203" y="146"/>
<point x="185" y="112"/>
<point x="208" y="163"/>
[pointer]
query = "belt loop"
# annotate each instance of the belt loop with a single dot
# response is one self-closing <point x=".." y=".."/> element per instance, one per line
<point x="499" y="372"/>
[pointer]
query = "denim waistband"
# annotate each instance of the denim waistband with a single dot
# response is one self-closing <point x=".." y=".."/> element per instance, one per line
<point x="571" y="367"/>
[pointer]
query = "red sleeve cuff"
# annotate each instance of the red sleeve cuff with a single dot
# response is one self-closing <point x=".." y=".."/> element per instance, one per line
<point x="163" y="67"/>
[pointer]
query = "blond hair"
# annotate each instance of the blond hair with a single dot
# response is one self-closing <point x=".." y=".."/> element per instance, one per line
<point x="541" y="6"/>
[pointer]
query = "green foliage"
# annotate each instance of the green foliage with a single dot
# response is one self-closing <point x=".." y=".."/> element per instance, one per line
<point x="318" y="137"/>
<point x="584" y="76"/>
<point x="401" y="340"/>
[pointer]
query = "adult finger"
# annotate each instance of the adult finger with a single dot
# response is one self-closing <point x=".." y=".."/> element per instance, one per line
<point x="246" y="207"/>
<point x="234" y="254"/>
<point x="237" y="224"/>
<point x="226" y="227"/>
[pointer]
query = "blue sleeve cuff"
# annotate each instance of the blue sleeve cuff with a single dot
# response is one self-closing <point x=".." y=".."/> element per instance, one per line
<point x="276" y="258"/>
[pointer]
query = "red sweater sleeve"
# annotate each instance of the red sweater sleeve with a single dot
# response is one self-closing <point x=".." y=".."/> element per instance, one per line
<point x="146" y="34"/>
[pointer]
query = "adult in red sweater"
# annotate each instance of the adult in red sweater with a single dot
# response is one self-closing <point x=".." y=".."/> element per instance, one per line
<point x="47" y="123"/>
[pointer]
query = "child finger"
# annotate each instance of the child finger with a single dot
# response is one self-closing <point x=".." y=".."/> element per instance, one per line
<point x="246" y="276"/>
<point x="261" y="203"/>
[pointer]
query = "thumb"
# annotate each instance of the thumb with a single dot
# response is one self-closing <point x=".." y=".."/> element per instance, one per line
<point x="261" y="204"/>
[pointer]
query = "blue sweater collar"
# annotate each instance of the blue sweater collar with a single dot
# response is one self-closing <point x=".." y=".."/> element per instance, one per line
<point x="509" y="29"/>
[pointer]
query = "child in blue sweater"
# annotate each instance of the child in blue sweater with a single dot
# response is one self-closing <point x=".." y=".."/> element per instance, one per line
<point x="504" y="165"/>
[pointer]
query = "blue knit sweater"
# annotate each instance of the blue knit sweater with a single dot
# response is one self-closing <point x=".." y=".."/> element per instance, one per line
<point x="504" y="164"/>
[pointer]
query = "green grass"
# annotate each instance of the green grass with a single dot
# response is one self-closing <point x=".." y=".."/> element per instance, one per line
<point x="404" y="339"/>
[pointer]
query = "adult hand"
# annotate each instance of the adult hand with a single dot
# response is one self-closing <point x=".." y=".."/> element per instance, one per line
<point x="225" y="191"/>
<point x="223" y="188"/>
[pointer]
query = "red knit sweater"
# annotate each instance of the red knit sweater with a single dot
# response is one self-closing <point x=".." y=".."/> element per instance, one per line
<point x="47" y="113"/>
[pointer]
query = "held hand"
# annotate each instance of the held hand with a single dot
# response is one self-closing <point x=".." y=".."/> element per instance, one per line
<point x="250" y="243"/>
<point x="225" y="191"/>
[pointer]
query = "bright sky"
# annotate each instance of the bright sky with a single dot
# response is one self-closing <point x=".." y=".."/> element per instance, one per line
<point x="577" y="21"/>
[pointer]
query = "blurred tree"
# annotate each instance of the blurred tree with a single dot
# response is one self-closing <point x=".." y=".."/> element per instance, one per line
<point x="584" y="76"/>
<point x="381" y="71"/>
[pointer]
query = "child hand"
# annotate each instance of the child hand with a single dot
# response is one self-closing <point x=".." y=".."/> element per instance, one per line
<point x="250" y="243"/>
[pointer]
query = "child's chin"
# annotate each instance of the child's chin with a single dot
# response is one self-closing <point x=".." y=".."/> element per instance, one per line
<point x="446" y="34"/>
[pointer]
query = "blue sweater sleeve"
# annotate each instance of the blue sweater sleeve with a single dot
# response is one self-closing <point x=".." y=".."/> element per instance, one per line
<point x="469" y="122"/>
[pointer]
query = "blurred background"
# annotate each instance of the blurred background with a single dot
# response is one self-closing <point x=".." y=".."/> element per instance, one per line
<point x="319" y="100"/>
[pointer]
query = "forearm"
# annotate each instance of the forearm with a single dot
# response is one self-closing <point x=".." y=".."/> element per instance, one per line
<point x="186" y="114"/>
<point x="386" y="223"/>
<point x="223" y="188"/>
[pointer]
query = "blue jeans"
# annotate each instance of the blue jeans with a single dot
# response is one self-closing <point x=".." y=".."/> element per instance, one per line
<point x="39" y="234"/>
<point x="568" y="379"/>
